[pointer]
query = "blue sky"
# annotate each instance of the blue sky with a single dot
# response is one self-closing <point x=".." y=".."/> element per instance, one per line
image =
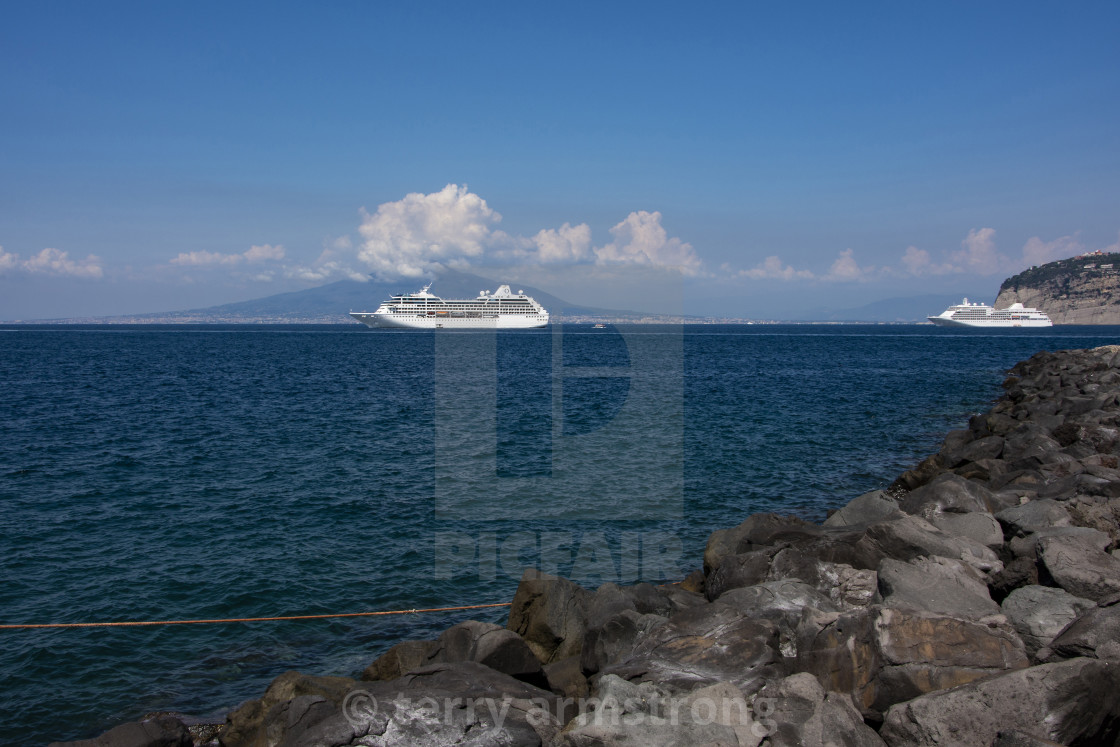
<point x="157" y="156"/>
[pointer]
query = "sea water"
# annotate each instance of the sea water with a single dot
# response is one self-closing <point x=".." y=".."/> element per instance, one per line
<point x="204" y="472"/>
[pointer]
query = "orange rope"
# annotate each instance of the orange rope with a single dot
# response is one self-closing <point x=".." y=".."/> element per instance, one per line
<point x="248" y="619"/>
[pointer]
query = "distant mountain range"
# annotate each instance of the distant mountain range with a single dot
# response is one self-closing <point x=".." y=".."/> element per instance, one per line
<point x="330" y="303"/>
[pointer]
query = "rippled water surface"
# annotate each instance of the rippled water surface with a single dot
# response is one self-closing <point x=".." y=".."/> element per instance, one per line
<point x="167" y="473"/>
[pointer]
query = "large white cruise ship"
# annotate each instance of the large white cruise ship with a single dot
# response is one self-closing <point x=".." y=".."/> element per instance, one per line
<point x="967" y="314"/>
<point x="501" y="309"/>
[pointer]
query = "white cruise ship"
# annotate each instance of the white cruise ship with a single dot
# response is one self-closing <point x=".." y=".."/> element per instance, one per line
<point x="967" y="314"/>
<point x="501" y="309"/>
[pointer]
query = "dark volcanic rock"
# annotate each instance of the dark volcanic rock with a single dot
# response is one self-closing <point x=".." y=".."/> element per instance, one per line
<point x="937" y="585"/>
<point x="704" y="646"/>
<point x="163" y="731"/>
<point x="1096" y="633"/>
<point x="490" y="645"/>
<point x="550" y="614"/>
<point x="867" y="508"/>
<point x="400" y="659"/>
<point x="1072" y="702"/>
<point x="1038" y="613"/>
<point x="1079" y="568"/>
<point x="804" y="714"/>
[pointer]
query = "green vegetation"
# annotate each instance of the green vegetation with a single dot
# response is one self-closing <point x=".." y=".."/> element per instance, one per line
<point x="1061" y="272"/>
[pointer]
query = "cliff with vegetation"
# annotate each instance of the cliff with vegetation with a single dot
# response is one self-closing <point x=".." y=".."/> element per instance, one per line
<point x="1082" y="290"/>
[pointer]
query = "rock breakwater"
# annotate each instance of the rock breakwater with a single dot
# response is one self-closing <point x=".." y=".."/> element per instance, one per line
<point x="975" y="601"/>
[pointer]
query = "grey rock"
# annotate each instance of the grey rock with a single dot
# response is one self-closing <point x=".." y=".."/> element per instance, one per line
<point x="846" y="586"/>
<point x="801" y="714"/>
<point x="909" y="537"/>
<point x="1015" y="738"/>
<point x="1030" y="517"/>
<point x="703" y="646"/>
<point x="645" y="715"/>
<point x="938" y="585"/>
<point x="1038" y="613"/>
<point x="1079" y="567"/>
<point x="565" y="678"/>
<point x="1069" y="702"/>
<point x="881" y="656"/>
<point x="163" y="731"/>
<point x="1089" y="635"/>
<point x="253" y="721"/>
<point x="490" y="645"/>
<point x="752" y="534"/>
<point x="947" y="493"/>
<point x="549" y="613"/>
<point x="782" y="603"/>
<point x="735" y="571"/>
<point x="865" y="509"/>
<point x="399" y="659"/>
<point x="1029" y="546"/>
<point x="978" y="526"/>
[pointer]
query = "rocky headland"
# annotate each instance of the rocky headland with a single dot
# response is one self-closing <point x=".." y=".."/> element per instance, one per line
<point x="1082" y="290"/>
<point x="975" y="601"/>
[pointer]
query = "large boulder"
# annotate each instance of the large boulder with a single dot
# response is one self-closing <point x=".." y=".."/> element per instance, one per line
<point x="625" y="714"/>
<point x="846" y="586"/>
<point x="1038" y="613"/>
<point x="400" y="659"/>
<point x="458" y="703"/>
<point x="1071" y="702"/>
<point x="799" y="713"/>
<point x="703" y="646"/>
<point x="550" y="614"/>
<point x="754" y="533"/>
<point x="1079" y="567"/>
<point x="1096" y="633"/>
<point x="881" y="656"/>
<point x="254" y="722"/>
<point x="162" y="731"/>
<point x="865" y="509"/>
<point x="490" y="645"/>
<point x="782" y="603"/>
<point x="947" y="493"/>
<point x="937" y="585"/>
<point x="1031" y="516"/>
<point x="909" y="537"/>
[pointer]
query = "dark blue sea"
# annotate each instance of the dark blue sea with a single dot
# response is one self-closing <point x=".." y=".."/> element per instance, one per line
<point x="200" y="472"/>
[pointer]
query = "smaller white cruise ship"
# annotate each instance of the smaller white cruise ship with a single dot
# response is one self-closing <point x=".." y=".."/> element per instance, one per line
<point x="967" y="314"/>
<point x="502" y="309"/>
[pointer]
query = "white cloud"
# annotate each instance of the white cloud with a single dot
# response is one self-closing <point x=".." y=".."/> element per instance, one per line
<point x="52" y="262"/>
<point x="978" y="253"/>
<point x="1039" y="252"/>
<point x="253" y="254"/>
<point x="263" y="253"/>
<point x="566" y="244"/>
<point x="918" y="262"/>
<point x="8" y="261"/>
<point x="641" y="240"/>
<point x="845" y="269"/>
<point x="772" y="269"/>
<point x="407" y="237"/>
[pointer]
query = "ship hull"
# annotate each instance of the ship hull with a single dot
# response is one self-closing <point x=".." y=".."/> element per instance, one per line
<point x="941" y="321"/>
<point x="401" y="321"/>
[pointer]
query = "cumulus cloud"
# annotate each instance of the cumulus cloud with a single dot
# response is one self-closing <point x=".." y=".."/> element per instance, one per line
<point x="566" y="244"/>
<point x="641" y="240"/>
<point x="410" y="236"/>
<point x="845" y="269"/>
<point x="918" y="262"/>
<point x="52" y="262"/>
<point x="772" y="269"/>
<point x="252" y="255"/>
<point x="978" y="253"/>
